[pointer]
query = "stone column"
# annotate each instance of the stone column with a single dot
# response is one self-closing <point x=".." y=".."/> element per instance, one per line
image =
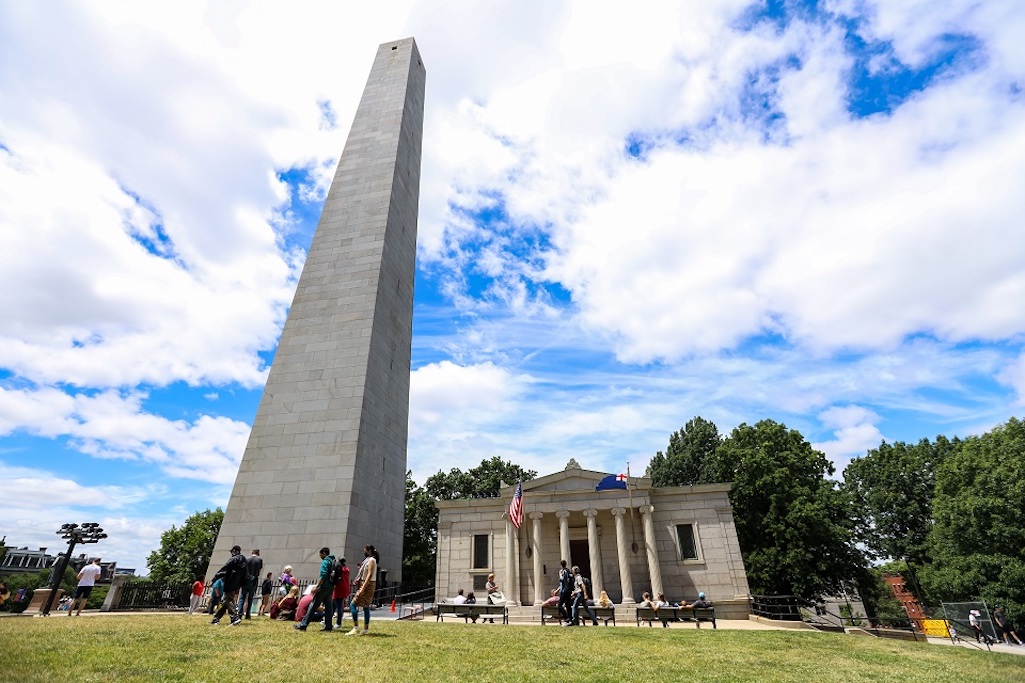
<point x="594" y="552"/>
<point x="563" y="516"/>
<point x="539" y="588"/>
<point x="117" y="582"/>
<point x="626" y="583"/>
<point x="651" y="549"/>
<point x="512" y="590"/>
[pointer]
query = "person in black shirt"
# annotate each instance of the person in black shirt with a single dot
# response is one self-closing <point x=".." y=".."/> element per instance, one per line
<point x="233" y="574"/>
<point x="254" y="567"/>
<point x="265" y="590"/>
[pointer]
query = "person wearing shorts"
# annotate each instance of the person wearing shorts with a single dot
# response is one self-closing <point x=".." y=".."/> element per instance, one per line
<point x="86" y="580"/>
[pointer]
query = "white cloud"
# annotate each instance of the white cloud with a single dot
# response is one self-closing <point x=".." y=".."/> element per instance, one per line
<point x="37" y="502"/>
<point x="854" y="433"/>
<point x="32" y="489"/>
<point x="1013" y="375"/>
<point x="116" y="425"/>
<point x="874" y="248"/>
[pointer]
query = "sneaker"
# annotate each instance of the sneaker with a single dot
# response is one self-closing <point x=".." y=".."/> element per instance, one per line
<point x="366" y="631"/>
<point x="215" y="622"/>
<point x="354" y="632"/>
<point x="235" y="622"/>
<point x="299" y="627"/>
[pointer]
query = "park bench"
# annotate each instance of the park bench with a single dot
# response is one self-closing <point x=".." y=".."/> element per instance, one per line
<point x="551" y="612"/>
<point x="472" y="611"/>
<point x="668" y="614"/>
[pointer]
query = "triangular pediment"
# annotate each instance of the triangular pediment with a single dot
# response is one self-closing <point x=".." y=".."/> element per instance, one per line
<point x="572" y="478"/>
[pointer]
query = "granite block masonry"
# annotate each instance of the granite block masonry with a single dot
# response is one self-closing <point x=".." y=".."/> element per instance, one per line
<point x="325" y="464"/>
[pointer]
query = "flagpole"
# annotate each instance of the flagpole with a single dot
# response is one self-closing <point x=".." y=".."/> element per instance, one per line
<point x="630" y="495"/>
<point x="629" y="491"/>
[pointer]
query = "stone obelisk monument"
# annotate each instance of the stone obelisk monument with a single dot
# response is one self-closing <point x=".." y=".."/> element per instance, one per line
<point x="326" y="460"/>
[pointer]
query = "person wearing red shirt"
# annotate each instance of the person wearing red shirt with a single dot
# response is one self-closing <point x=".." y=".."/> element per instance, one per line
<point x="197" y="594"/>
<point x="341" y="592"/>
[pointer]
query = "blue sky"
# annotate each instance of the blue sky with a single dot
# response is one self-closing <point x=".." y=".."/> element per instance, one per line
<point x="804" y="211"/>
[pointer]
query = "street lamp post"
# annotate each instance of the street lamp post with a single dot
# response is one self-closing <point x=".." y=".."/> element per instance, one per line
<point x="89" y="532"/>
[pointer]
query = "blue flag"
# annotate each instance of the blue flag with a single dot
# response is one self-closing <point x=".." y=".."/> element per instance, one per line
<point x="613" y="481"/>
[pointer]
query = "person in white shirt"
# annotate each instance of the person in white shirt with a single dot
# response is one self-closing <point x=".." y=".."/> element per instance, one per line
<point x="86" y="580"/>
<point x="459" y="599"/>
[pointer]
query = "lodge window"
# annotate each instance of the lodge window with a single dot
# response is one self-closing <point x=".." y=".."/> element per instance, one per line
<point x="481" y="558"/>
<point x="687" y="541"/>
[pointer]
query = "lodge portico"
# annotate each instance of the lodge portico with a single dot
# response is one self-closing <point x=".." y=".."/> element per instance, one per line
<point x="677" y="541"/>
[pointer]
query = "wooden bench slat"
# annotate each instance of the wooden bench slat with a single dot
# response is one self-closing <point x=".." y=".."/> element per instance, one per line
<point x="667" y="614"/>
<point x="606" y="614"/>
<point x="468" y="611"/>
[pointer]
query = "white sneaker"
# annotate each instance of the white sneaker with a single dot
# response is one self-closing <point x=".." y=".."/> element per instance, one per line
<point x="354" y="632"/>
<point x="366" y="631"/>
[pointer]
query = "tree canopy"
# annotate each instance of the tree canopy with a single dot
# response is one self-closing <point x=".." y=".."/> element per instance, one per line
<point x="420" y="535"/>
<point x="893" y="486"/>
<point x="977" y="541"/>
<point x="793" y="524"/>
<point x="689" y="452"/>
<point x="185" y="551"/>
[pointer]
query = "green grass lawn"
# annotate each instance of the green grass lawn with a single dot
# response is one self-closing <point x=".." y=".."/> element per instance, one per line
<point x="179" y="648"/>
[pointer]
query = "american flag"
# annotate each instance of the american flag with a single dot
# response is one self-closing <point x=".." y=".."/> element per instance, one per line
<point x="516" y="506"/>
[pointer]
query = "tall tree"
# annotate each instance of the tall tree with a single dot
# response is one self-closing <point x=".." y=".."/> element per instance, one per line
<point x="483" y="481"/>
<point x="893" y="487"/>
<point x="978" y="539"/>
<point x="793" y="524"/>
<point x="690" y="451"/>
<point x="420" y="537"/>
<point x="185" y="551"/>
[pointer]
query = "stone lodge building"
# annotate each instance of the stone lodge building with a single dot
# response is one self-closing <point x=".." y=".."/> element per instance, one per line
<point x="676" y="540"/>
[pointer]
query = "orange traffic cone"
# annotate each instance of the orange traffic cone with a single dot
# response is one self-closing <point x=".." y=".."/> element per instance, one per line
<point x="393" y="604"/>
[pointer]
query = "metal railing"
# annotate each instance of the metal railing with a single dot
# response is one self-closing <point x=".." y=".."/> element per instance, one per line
<point x="144" y="594"/>
<point x="797" y="608"/>
<point x="779" y="607"/>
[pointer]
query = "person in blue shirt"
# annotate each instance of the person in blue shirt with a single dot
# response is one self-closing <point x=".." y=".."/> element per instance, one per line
<point x="322" y="597"/>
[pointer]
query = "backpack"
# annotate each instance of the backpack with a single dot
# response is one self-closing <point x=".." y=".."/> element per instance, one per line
<point x="334" y="575"/>
<point x="587" y="587"/>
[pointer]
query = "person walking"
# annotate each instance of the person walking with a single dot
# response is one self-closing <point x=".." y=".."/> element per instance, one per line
<point x="1004" y="627"/>
<point x="86" y="580"/>
<point x="581" y="594"/>
<point x="364" y="586"/>
<point x="196" y="596"/>
<point x="565" y="592"/>
<point x="233" y="574"/>
<point x="323" y="589"/>
<point x="341" y="592"/>
<point x="254" y="567"/>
